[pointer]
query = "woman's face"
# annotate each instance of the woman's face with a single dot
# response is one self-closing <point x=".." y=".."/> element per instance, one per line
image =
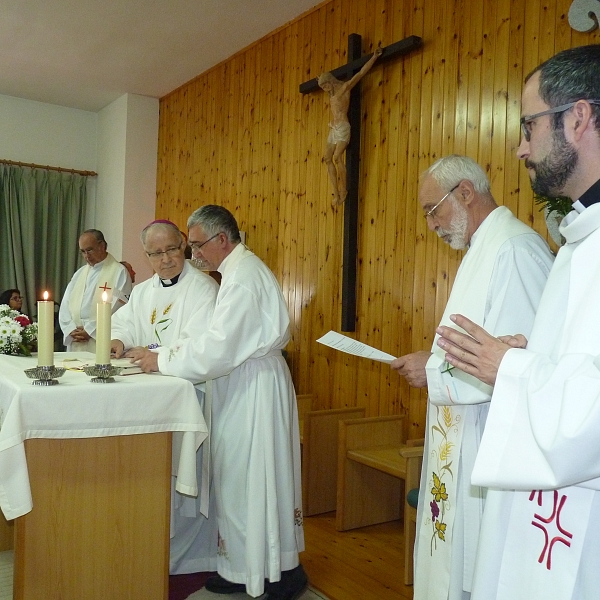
<point x="16" y="301"/>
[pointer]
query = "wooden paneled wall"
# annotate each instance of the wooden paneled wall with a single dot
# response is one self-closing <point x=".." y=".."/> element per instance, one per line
<point x="242" y="135"/>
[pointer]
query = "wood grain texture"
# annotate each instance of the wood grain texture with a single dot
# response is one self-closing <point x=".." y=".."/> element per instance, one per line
<point x="99" y="527"/>
<point x="241" y="135"/>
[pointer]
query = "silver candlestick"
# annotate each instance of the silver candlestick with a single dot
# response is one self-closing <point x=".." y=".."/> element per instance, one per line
<point x="102" y="373"/>
<point x="45" y="375"/>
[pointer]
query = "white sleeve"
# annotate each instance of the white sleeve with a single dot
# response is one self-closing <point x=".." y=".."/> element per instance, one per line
<point x="550" y="414"/>
<point x="123" y="325"/>
<point x="239" y="329"/>
<point x="65" y="319"/>
<point x="121" y="291"/>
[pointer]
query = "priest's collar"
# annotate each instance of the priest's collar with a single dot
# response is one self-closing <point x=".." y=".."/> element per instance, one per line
<point x="170" y="282"/>
<point x="590" y="196"/>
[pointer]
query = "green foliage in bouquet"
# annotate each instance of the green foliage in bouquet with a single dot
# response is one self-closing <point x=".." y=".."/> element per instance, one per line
<point x="562" y="205"/>
<point x="18" y="335"/>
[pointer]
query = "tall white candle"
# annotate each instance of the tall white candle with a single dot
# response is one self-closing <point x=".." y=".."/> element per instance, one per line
<point x="45" y="341"/>
<point x="103" y="331"/>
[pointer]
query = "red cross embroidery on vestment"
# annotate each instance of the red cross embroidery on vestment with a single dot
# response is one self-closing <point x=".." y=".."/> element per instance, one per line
<point x="553" y="518"/>
<point x="105" y="286"/>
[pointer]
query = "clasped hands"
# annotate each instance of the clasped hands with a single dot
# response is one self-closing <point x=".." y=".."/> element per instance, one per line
<point x="477" y="353"/>
<point x="79" y="335"/>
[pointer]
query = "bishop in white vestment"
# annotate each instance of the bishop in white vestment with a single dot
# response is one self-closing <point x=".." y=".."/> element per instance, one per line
<point x="540" y="452"/>
<point x="254" y="435"/>
<point x="499" y="284"/>
<point x="177" y="301"/>
<point x="102" y="273"/>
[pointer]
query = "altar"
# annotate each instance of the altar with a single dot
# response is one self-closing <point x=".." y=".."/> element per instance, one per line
<point x="85" y="472"/>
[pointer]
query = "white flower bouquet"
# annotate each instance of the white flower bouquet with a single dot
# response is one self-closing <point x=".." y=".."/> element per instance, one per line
<point x="18" y="335"/>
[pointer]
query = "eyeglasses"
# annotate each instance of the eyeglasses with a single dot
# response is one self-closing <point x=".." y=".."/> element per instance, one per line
<point x="170" y="252"/>
<point x="430" y="213"/>
<point x="89" y="250"/>
<point x="526" y="120"/>
<point x="196" y="246"/>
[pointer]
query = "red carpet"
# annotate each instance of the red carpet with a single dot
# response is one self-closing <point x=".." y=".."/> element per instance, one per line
<point x="181" y="586"/>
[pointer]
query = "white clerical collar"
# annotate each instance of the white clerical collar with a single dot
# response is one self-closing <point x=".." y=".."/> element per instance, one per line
<point x="578" y="206"/>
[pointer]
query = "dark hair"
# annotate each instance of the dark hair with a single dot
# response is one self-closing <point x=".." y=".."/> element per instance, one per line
<point x="568" y="76"/>
<point x="215" y="219"/>
<point x="7" y="294"/>
<point x="96" y="233"/>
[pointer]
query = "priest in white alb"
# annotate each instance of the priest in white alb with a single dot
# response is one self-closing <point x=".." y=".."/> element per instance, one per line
<point x="177" y="301"/>
<point x="540" y="451"/>
<point x="102" y="273"/>
<point x="255" y="438"/>
<point x="499" y="284"/>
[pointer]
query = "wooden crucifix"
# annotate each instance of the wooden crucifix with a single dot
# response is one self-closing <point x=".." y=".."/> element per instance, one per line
<point x="353" y="66"/>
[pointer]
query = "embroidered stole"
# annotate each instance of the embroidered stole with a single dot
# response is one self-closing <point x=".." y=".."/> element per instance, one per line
<point x="547" y="529"/>
<point x="445" y="424"/>
<point x="108" y="273"/>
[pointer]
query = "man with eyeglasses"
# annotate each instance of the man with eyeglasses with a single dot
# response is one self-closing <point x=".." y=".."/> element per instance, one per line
<point x="77" y="314"/>
<point x="540" y="451"/>
<point x="254" y="436"/>
<point x="499" y="284"/>
<point x="177" y="301"/>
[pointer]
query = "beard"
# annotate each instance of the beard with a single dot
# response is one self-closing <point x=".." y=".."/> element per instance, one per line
<point x="456" y="235"/>
<point x="553" y="171"/>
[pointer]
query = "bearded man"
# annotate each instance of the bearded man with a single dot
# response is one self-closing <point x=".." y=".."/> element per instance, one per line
<point x="540" y="536"/>
<point x="499" y="285"/>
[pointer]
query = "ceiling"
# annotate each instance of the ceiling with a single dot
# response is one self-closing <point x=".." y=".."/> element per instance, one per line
<point x="87" y="53"/>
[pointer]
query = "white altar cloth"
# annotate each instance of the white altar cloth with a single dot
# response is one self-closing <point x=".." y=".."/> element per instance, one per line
<point x="77" y="408"/>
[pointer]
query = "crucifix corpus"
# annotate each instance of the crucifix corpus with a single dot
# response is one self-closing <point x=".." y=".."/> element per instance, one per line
<point x="345" y="125"/>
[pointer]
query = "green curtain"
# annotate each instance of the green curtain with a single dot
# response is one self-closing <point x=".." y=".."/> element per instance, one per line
<point x="41" y="217"/>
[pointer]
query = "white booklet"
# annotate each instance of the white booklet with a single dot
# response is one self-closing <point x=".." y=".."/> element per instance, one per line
<point x="345" y="344"/>
<point x="127" y="367"/>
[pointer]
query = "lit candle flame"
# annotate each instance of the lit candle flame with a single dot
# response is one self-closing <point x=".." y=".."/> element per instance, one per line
<point x="104" y="297"/>
<point x="45" y="294"/>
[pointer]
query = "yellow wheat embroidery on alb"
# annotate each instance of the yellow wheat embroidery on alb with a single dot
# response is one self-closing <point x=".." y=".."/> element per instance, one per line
<point x="153" y="317"/>
<point x="447" y="412"/>
<point x="446" y="450"/>
<point x="168" y="309"/>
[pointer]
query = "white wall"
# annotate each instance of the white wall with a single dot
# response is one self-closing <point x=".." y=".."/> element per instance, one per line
<point x="120" y="143"/>
<point x="45" y="134"/>
<point x="127" y="162"/>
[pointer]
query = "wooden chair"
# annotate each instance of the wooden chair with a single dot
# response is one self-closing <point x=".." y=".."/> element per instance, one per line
<point x="376" y="467"/>
<point x="319" y="457"/>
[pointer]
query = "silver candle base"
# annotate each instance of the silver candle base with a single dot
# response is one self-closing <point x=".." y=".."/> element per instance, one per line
<point x="102" y="373"/>
<point x="45" y="375"/>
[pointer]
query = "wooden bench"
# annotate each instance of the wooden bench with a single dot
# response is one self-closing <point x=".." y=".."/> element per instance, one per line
<point x="319" y="457"/>
<point x="376" y="467"/>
